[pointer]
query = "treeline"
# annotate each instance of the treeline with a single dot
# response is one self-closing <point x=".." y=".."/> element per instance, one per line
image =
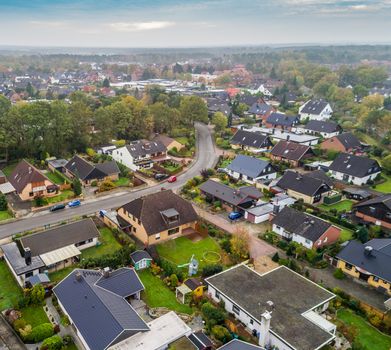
<point x="59" y="128"/>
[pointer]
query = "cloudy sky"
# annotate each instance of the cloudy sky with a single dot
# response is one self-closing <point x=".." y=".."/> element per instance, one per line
<point x="189" y="23"/>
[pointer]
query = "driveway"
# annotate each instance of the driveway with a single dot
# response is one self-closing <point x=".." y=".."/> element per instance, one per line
<point x="258" y="247"/>
<point x="8" y="339"/>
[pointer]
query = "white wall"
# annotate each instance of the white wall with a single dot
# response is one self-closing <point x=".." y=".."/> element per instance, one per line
<point x="89" y="245"/>
<point x="245" y="178"/>
<point x="301" y="240"/>
<point x="280" y="231"/>
<point x="356" y="180"/>
<point x="123" y="156"/>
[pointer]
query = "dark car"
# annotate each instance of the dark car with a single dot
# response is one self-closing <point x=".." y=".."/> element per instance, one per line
<point x="57" y="207"/>
<point x="235" y="215"/>
<point x="161" y="176"/>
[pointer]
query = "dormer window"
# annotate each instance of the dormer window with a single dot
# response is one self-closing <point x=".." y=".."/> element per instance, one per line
<point x="170" y="216"/>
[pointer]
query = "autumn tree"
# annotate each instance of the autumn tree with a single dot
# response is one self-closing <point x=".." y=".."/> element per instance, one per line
<point x="240" y="243"/>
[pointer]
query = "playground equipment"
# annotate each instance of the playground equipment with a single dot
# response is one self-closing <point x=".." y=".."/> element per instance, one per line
<point x="193" y="266"/>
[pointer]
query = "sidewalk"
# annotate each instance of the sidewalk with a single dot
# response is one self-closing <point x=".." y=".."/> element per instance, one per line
<point x="257" y="247"/>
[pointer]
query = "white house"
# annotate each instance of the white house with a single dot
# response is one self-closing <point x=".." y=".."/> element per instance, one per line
<point x="140" y="154"/>
<point x="354" y="169"/>
<point x="251" y="169"/>
<point x="326" y="129"/>
<point x="266" y="305"/>
<point x="315" y="110"/>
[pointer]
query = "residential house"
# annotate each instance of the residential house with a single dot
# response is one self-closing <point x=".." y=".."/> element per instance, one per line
<point x="57" y="165"/>
<point x="50" y="250"/>
<point x="354" y="169"/>
<point x="345" y="142"/>
<point x="140" y="154"/>
<point x="281" y="121"/>
<point x="376" y="210"/>
<point x="232" y="199"/>
<point x="159" y="216"/>
<point x="251" y="141"/>
<point x="87" y="173"/>
<point x="315" y="110"/>
<point x="236" y="344"/>
<point x="261" y="111"/>
<point x="357" y="194"/>
<point x="218" y="105"/>
<point x="262" y="210"/>
<point x="305" y="229"/>
<point x="168" y="142"/>
<point x="266" y="305"/>
<point x="369" y="262"/>
<point x="326" y="129"/>
<point x="250" y="100"/>
<point x="291" y="152"/>
<point x="141" y="259"/>
<point x="251" y="169"/>
<point x="98" y="300"/>
<point x="30" y="183"/>
<point x="3" y="178"/>
<point x="302" y="186"/>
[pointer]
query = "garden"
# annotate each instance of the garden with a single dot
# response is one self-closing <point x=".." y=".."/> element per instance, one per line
<point x="384" y="186"/>
<point x="341" y="206"/>
<point x="10" y="293"/>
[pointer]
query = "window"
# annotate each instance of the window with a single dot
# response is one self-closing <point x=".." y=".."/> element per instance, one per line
<point x="138" y="221"/>
<point x="28" y="274"/>
<point x="375" y="279"/>
<point x="348" y="266"/>
<point x="157" y="236"/>
<point x="173" y="231"/>
<point x="134" y="229"/>
<point x="307" y="241"/>
<point x="251" y="321"/>
<point x="372" y="209"/>
<point x="217" y="295"/>
<point x="31" y="194"/>
<point x="235" y="309"/>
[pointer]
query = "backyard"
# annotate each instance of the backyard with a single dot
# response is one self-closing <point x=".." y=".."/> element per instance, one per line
<point x="122" y="181"/>
<point x="61" y="274"/>
<point x="345" y="205"/>
<point x="367" y="336"/>
<point x="108" y="245"/>
<point x="5" y="215"/>
<point x="157" y="294"/>
<point x="64" y="195"/>
<point x="346" y="235"/>
<point x="55" y="177"/>
<point x="180" y="250"/>
<point x="34" y="315"/>
<point x="10" y="292"/>
<point x="385" y="186"/>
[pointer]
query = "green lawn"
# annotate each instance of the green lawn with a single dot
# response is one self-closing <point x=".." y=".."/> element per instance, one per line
<point x="183" y="140"/>
<point x="385" y="186"/>
<point x="70" y="347"/>
<point x="157" y="294"/>
<point x="345" y="205"/>
<point x="10" y="292"/>
<point x="64" y="195"/>
<point x="368" y="337"/>
<point x="34" y="315"/>
<point x="122" y="181"/>
<point x="180" y="250"/>
<point x="55" y="178"/>
<point x="225" y="162"/>
<point x="60" y="274"/>
<point x="108" y="245"/>
<point x="346" y="235"/>
<point x="4" y="215"/>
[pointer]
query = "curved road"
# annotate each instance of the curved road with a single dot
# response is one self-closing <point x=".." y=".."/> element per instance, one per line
<point x="205" y="158"/>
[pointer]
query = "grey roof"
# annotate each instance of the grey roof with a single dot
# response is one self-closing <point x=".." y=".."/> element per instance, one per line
<point x="358" y="191"/>
<point x="79" y="167"/>
<point x="323" y="126"/>
<point x="236" y="344"/>
<point x="307" y="226"/>
<point x="108" y="168"/>
<point x="321" y="175"/>
<point x="139" y="255"/>
<point x="251" y="291"/>
<point x="282" y="119"/>
<point x="314" y="107"/>
<point x="354" y="165"/>
<point x="302" y="183"/>
<point x="249" y="166"/>
<point x="60" y="236"/>
<point x="58" y="163"/>
<point x="100" y="315"/>
<point x="251" y="139"/>
<point x="17" y="261"/>
<point x="384" y="199"/>
<point x="228" y="194"/>
<point x="377" y="263"/>
<point x="349" y="140"/>
<point x="260" y="108"/>
<point x="38" y="279"/>
<point x="290" y="150"/>
<point x="142" y="148"/>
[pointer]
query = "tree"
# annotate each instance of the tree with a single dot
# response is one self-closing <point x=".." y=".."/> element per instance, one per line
<point x="53" y="343"/>
<point x="386" y="165"/>
<point x="41" y="332"/>
<point x="77" y="189"/>
<point x="221" y="333"/>
<point x="193" y="108"/>
<point x="220" y="121"/>
<point x="362" y="234"/>
<point x="37" y="295"/>
<point x="3" y="202"/>
<point x="240" y="243"/>
<point x="106" y="83"/>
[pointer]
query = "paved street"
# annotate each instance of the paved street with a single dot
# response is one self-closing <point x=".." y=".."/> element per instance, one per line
<point x="206" y="157"/>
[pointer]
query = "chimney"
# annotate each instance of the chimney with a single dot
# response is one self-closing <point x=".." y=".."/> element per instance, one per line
<point x="288" y="137"/>
<point x="368" y="250"/>
<point x="276" y="209"/>
<point x="27" y="255"/>
<point x="78" y="276"/>
<point x="106" y="272"/>
<point x="264" y="335"/>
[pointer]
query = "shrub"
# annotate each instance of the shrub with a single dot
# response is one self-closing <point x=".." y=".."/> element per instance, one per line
<point x="211" y="269"/>
<point x="174" y="280"/>
<point x="68" y="340"/>
<point x="338" y="274"/>
<point x="19" y="324"/>
<point x="211" y="312"/>
<point x="106" y="186"/>
<point x="282" y="244"/>
<point x="276" y="257"/>
<point x="65" y="321"/>
<point x="226" y="245"/>
<point x="40" y="332"/>
<point x="221" y="333"/>
<point x="53" y="343"/>
<point x="3" y="202"/>
<point x="76" y="185"/>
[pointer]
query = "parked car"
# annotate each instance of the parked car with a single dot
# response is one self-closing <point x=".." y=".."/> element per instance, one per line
<point x="57" y="207"/>
<point x="161" y="176"/>
<point x="74" y="203"/>
<point x="172" y="179"/>
<point x="235" y="215"/>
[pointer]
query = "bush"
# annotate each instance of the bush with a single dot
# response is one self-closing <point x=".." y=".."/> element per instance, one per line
<point x="174" y="280"/>
<point x="221" y="333"/>
<point x="40" y="332"/>
<point x="76" y="185"/>
<point x="106" y="186"/>
<point x="53" y="343"/>
<point x="3" y="202"/>
<point x="276" y="257"/>
<point x="211" y="269"/>
<point x="226" y="245"/>
<point x="68" y="340"/>
<point x="18" y="324"/>
<point x="211" y="312"/>
<point x="338" y="274"/>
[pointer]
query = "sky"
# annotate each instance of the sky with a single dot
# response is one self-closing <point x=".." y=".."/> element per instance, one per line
<point x="190" y="23"/>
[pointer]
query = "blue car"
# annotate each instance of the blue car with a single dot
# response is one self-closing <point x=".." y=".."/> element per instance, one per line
<point x="235" y="215"/>
<point x="74" y="203"/>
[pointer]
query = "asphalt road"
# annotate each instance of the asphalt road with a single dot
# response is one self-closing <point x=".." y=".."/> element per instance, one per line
<point x="206" y="157"/>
